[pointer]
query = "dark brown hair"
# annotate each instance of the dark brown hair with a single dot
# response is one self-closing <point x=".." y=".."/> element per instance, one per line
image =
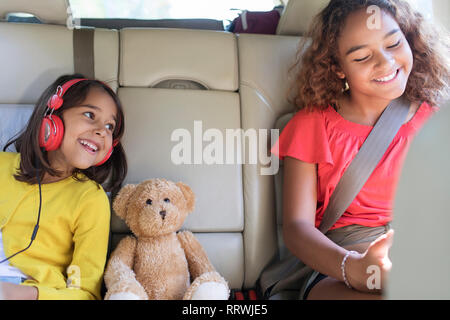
<point x="33" y="159"/>
<point x="317" y="85"/>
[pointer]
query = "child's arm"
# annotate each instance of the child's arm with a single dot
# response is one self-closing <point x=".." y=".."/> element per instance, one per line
<point x="10" y="291"/>
<point x="301" y="236"/>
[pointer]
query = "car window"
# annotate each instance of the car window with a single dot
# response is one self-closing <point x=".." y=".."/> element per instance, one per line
<point x="168" y="9"/>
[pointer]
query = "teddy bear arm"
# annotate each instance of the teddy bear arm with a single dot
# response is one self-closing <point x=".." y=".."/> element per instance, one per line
<point x="196" y="256"/>
<point x="120" y="264"/>
<point x="125" y="251"/>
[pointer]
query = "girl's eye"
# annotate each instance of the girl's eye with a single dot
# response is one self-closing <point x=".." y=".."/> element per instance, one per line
<point x="110" y="127"/>
<point x="362" y="59"/>
<point x="90" y="115"/>
<point x="395" y="45"/>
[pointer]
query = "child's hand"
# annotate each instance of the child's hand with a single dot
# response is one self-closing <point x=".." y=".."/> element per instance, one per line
<point x="368" y="272"/>
<point x="10" y="291"/>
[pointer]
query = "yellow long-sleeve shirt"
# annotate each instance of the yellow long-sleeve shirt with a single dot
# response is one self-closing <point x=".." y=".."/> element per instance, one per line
<point x="67" y="257"/>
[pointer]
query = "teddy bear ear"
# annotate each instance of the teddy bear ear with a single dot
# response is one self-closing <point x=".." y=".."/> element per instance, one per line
<point x="188" y="195"/>
<point x="121" y="200"/>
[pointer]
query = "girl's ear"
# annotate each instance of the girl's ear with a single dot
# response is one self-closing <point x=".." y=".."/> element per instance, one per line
<point x="338" y="71"/>
<point x="121" y="200"/>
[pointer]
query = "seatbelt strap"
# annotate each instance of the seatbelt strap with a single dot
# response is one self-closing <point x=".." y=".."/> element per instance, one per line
<point x="83" y="52"/>
<point x="365" y="161"/>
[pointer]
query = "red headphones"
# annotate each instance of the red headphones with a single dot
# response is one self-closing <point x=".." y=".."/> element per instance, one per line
<point x="51" y="132"/>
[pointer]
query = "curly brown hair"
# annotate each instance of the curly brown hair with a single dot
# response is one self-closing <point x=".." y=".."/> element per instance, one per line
<point x="316" y="83"/>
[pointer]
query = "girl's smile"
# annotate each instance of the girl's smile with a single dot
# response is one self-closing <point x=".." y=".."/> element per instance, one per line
<point x="90" y="146"/>
<point x="387" y="79"/>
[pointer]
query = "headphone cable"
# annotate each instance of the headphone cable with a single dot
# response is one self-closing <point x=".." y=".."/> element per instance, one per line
<point x="36" y="227"/>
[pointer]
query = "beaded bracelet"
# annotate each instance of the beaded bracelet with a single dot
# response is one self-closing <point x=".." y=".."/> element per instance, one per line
<point x="343" y="267"/>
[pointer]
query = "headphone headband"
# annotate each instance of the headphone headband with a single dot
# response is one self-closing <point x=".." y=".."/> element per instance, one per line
<point x="70" y="83"/>
<point x="55" y="102"/>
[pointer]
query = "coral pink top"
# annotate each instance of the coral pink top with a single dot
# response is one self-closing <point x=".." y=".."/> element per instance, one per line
<point x="326" y="138"/>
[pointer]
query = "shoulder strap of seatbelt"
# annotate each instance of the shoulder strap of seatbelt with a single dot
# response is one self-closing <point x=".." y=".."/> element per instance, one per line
<point x="83" y="52"/>
<point x="365" y="161"/>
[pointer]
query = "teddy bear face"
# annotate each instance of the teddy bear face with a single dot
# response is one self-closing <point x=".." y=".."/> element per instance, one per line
<point x="155" y="207"/>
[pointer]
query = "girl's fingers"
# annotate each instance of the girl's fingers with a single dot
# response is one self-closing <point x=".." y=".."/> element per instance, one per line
<point x="382" y="244"/>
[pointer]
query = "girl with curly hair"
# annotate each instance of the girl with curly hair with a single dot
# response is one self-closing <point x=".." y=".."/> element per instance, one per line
<point x="360" y="55"/>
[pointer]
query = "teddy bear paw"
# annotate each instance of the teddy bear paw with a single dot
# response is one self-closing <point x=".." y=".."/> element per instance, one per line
<point x="211" y="291"/>
<point x="126" y="290"/>
<point x="208" y="286"/>
<point x="124" y="296"/>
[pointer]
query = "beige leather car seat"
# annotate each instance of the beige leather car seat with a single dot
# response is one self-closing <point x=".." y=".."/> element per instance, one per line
<point x="175" y="82"/>
<point x="47" y="11"/>
<point x="264" y="61"/>
<point x="266" y="77"/>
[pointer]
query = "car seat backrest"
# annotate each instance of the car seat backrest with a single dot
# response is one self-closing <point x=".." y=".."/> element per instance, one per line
<point x="47" y="11"/>
<point x="175" y="85"/>
<point x="298" y="15"/>
<point x="264" y="62"/>
<point x="280" y="124"/>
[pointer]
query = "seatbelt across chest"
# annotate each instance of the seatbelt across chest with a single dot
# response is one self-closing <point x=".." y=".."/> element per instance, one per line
<point x="365" y="161"/>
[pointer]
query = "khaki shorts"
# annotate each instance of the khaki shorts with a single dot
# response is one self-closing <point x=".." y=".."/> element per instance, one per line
<point x="345" y="236"/>
<point x="292" y="275"/>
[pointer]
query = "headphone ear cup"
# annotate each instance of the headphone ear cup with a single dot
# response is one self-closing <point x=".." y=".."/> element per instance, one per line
<point x="51" y="133"/>
<point x="106" y="157"/>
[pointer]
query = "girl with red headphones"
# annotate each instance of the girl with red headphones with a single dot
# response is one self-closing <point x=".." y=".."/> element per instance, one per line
<point x="68" y="155"/>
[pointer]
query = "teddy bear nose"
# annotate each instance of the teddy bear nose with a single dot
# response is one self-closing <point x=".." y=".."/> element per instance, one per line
<point x="163" y="214"/>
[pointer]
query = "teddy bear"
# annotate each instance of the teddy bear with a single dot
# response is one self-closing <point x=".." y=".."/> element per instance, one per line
<point x="157" y="262"/>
